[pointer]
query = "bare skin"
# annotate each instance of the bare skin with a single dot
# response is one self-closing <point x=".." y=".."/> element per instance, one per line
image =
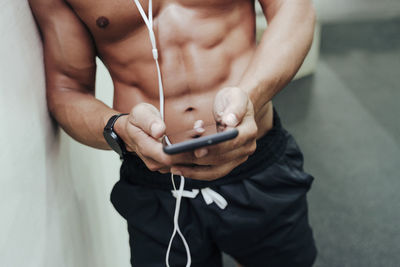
<point x="212" y="71"/>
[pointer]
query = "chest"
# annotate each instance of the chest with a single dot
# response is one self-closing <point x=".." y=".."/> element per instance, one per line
<point x="115" y="20"/>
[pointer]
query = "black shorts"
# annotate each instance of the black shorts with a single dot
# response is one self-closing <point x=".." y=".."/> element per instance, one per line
<point x="264" y="224"/>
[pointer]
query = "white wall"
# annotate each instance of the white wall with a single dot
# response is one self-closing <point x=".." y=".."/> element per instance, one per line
<point x="54" y="192"/>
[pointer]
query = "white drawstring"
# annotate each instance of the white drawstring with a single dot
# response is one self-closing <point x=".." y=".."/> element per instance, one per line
<point x="209" y="195"/>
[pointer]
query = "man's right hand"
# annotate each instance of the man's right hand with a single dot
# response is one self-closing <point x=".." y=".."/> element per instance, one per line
<point x="142" y="131"/>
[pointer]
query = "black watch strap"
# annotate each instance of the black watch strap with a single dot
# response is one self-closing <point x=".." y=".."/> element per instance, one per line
<point x="113" y="120"/>
<point x="112" y="138"/>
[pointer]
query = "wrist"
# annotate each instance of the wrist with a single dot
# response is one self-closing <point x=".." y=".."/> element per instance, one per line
<point x="113" y="139"/>
<point x="259" y="92"/>
<point x="120" y="127"/>
<point x="251" y="98"/>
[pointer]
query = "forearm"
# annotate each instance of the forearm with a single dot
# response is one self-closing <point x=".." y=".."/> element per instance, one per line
<point x="81" y="115"/>
<point x="281" y="51"/>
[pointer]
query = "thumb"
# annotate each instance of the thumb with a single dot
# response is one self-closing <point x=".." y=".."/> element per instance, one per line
<point x="230" y="106"/>
<point x="147" y="117"/>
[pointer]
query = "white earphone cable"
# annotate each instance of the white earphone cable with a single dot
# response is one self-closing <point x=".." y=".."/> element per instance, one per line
<point x="176" y="225"/>
<point x="149" y="24"/>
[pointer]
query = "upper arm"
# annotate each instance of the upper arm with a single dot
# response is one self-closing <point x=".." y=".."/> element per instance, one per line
<point x="69" y="51"/>
<point x="271" y="7"/>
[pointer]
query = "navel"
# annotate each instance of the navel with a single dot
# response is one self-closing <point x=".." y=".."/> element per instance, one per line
<point x="102" y="22"/>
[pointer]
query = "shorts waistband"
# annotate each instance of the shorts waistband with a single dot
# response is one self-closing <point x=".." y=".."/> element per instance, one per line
<point x="270" y="148"/>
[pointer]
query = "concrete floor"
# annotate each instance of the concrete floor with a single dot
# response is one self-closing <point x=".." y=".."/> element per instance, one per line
<point x="346" y="120"/>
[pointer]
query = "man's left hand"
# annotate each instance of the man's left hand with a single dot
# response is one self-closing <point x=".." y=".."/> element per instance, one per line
<point x="232" y="108"/>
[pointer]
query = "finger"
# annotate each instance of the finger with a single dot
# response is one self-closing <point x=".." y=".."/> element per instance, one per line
<point x="148" y="118"/>
<point x="247" y="134"/>
<point x="201" y="152"/>
<point x="199" y="126"/>
<point x="221" y="101"/>
<point x="147" y="147"/>
<point x="230" y="106"/>
<point x="219" y="159"/>
<point x="207" y="173"/>
<point x="164" y="170"/>
<point x="151" y="164"/>
<point x="183" y="158"/>
<point x="151" y="148"/>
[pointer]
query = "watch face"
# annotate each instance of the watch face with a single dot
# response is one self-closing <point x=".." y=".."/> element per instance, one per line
<point x="113" y="141"/>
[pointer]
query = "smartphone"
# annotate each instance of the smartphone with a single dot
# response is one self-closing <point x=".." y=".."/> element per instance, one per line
<point x="194" y="143"/>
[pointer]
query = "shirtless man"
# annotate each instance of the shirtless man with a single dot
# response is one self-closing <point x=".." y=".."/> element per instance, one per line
<point x="212" y="71"/>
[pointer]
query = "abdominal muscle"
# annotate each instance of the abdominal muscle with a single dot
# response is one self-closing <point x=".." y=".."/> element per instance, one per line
<point x="198" y="56"/>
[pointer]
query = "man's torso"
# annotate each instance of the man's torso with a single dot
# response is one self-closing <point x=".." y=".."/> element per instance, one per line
<point x="203" y="47"/>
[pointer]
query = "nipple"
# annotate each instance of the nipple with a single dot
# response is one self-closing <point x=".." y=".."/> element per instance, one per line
<point x="102" y="22"/>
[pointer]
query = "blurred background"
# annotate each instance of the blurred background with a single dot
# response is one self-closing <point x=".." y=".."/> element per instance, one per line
<point x="342" y="109"/>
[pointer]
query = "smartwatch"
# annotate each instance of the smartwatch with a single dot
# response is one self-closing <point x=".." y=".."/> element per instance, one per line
<point x="113" y="140"/>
